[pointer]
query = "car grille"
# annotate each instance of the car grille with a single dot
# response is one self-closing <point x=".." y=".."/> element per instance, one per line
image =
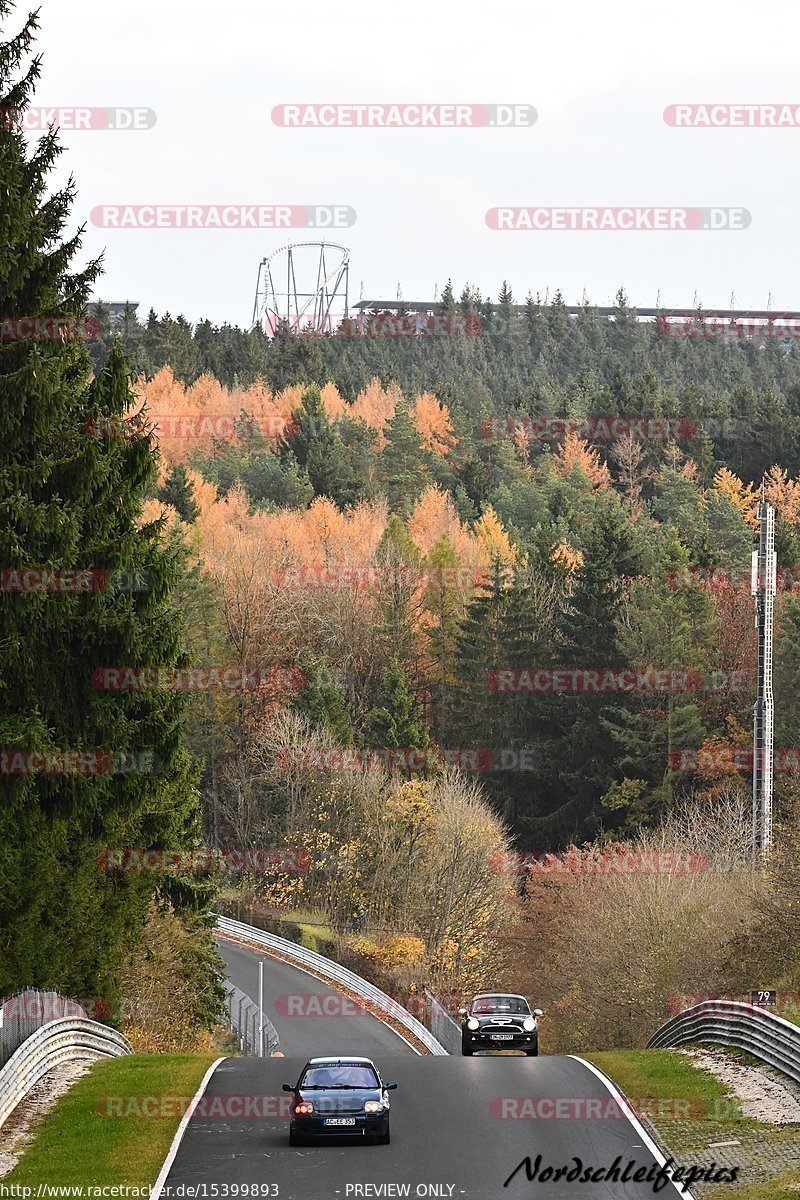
<point x="340" y="1108"/>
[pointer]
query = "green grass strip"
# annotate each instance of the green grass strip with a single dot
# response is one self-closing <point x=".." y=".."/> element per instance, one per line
<point x="80" y="1142"/>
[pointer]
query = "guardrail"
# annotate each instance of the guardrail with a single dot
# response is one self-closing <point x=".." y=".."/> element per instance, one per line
<point x="730" y="1023"/>
<point x="243" y="1020"/>
<point x="443" y="1027"/>
<point x="376" y="1001"/>
<point x="22" y="1013"/>
<point x="68" y="1040"/>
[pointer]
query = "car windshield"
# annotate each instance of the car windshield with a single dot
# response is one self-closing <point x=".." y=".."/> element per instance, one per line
<point x="340" y="1075"/>
<point x="494" y="1004"/>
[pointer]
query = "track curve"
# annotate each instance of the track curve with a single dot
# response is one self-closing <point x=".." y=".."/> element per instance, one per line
<point x="288" y="988"/>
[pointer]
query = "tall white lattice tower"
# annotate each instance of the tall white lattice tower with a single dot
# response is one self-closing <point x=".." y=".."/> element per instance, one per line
<point x="764" y="572"/>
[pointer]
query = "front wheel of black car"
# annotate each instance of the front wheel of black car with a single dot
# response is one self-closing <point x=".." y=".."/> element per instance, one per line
<point x="383" y="1139"/>
<point x="296" y="1139"/>
<point x="467" y="1051"/>
<point x="533" y="1052"/>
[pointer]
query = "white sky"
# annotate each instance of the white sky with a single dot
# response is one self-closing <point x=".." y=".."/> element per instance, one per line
<point x="599" y="75"/>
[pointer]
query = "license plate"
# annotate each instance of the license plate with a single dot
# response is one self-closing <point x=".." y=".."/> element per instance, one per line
<point x="339" y="1121"/>
<point x="502" y="1037"/>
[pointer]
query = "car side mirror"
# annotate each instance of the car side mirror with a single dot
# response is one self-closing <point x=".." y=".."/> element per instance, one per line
<point x="288" y="1087"/>
<point x="537" y="1012"/>
<point x="462" y="1012"/>
<point x="389" y="1087"/>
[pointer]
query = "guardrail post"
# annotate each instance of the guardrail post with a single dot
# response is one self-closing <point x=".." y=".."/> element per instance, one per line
<point x="261" y="1008"/>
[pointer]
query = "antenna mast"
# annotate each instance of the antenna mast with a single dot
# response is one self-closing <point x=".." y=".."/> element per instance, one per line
<point x="764" y="571"/>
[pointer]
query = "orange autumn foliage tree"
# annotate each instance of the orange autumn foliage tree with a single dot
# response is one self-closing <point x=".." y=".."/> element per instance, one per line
<point x="743" y="496"/>
<point x="321" y="536"/>
<point x="575" y="452"/>
<point x="289" y="399"/>
<point x="190" y="419"/>
<point x="296" y="586"/>
<point x="375" y="406"/>
<point x="187" y="419"/>
<point x="783" y="494"/>
<point x="155" y="510"/>
<point x="205" y="494"/>
<point x="333" y="402"/>
<point x="432" y="420"/>
<point x="207" y="395"/>
<point x="568" y="557"/>
<point x="521" y="442"/>
<point x="494" y="544"/>
<point x="434" y="516"/>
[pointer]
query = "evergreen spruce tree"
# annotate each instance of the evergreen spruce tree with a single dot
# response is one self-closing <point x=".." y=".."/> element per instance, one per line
<point x="323" y="701"/>
<point x="178" y="491"/>
<point x="397" y="723"/>
<point x="510" y="627"/>
<point x="532" y="610"/>
<point x="504" y="314"/>
<point x="443" y="599"/>
<point x="398" y="561"/>
<point x="403" y="461"/>
<point x="70" y="501"/>
<point x="317" y="446"/>
<point x="447" y="299"/>
<point x="666" y="629"/>
<point x="583" y="765"/>
<point x="787" y="677"/>
<point x="476" y="717"/>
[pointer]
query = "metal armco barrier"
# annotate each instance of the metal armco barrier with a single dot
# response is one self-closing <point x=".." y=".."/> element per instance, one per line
<point x="243" y="1020"/>
<point x="68" y="1040"/>
<point x="375" y="1000"/>
<point x="26" y="1011"/>
<point x="730" y="1023"/>
<point x="443" y="1027"/>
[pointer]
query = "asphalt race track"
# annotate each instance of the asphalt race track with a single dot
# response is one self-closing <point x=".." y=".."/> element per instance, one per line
<point x="307" y="1035"/>
<point x="449" y="1136"/>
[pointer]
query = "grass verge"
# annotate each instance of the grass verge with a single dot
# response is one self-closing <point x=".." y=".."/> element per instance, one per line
<point x="785" y="1186"/>
<point x="691" y="1109"/>
<point x="78" y="1142"/>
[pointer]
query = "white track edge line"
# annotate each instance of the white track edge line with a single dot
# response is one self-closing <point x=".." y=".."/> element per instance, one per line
<point x="158" y="1186"/>
<point x="654" y="1149"/>
<point x="331" y="983"/>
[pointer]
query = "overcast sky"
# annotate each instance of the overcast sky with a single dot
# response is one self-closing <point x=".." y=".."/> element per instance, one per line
<point x="598" y="75"/>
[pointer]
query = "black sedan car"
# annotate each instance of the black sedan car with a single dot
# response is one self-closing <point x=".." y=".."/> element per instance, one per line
<point x="336" y="1096"/>
<point x="499" y="1022"/>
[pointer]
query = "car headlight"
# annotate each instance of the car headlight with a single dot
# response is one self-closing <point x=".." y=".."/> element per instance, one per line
<point x="473" y="1024"/>
<point x="373" y="1106"/>
<point x="304" y="1109"/>
<point x="529" y="1024"/>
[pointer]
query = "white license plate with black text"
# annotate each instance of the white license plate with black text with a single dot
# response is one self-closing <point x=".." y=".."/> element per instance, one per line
<point x="340" y="1120"/>
<point x="502" y="1037"/>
